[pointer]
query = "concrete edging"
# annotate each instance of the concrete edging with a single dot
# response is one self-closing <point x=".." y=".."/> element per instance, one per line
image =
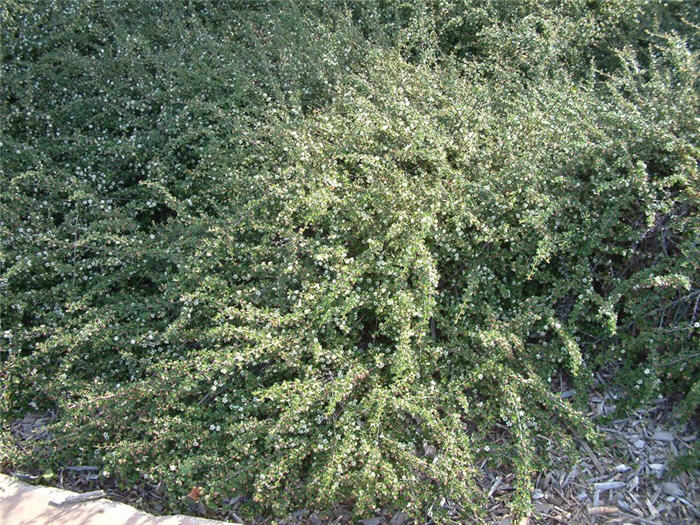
<point x="24" y="504"/>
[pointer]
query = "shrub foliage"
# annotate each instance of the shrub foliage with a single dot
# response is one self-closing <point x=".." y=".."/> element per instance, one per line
<point x="318" y="253"/>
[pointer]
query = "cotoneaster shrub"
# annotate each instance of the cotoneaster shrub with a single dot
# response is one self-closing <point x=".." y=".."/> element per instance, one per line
<point x="319" y="253"/>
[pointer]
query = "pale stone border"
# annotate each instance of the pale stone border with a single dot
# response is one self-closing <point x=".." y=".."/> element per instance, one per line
<point x="23" y="504"/>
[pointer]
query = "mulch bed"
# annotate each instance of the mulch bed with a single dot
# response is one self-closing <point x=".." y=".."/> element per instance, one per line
<point x="630" y="481"/>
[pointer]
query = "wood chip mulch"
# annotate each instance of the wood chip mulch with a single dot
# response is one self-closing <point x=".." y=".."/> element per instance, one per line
<point x="630" y="481"/>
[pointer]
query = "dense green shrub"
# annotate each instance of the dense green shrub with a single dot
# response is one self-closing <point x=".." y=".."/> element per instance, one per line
<point x="319" y="253"/>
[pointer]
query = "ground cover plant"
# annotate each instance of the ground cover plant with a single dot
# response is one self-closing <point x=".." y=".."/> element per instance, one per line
<point x="310" y="253"/>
